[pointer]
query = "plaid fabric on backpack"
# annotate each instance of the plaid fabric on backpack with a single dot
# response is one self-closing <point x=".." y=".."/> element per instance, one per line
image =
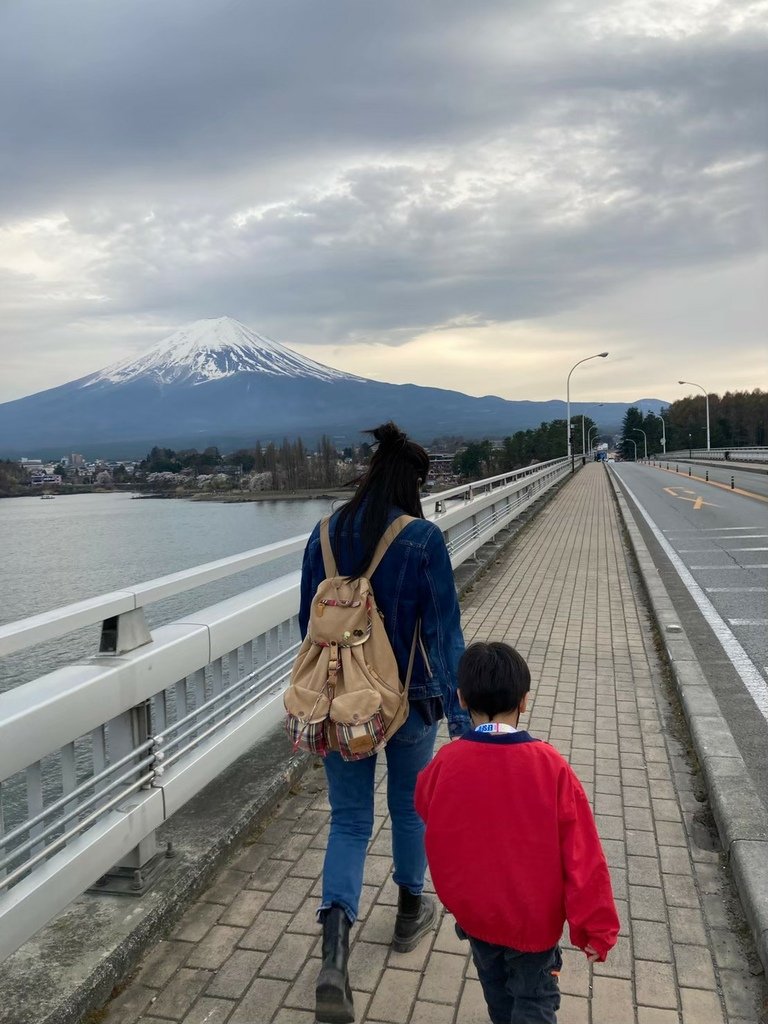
<point x="345" y="692"/>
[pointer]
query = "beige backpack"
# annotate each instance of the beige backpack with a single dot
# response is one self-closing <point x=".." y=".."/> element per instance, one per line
<point x="345" y="693"/>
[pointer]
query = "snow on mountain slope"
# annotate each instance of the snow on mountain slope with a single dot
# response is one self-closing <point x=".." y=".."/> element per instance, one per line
<point x="209" y="350"/>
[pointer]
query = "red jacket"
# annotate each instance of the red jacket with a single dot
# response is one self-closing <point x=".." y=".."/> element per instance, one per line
<point x="512" y="845"/>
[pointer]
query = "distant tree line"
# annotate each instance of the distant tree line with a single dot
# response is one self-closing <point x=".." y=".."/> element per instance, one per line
<point x="288" y="466"/>
<point x="547" y="441"/>
<point x="738" y="419"/>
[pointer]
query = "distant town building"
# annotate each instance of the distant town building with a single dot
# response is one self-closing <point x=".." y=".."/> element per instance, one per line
<point x="40" y="479"/>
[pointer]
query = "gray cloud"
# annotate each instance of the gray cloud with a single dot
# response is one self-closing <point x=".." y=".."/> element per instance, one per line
<point x="343" y="170"/>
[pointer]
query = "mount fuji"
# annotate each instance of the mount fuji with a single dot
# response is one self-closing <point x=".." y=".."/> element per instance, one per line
<point x="218" y="382"/>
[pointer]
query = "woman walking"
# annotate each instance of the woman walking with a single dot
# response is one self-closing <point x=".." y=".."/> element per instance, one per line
<point x="416" y="594"/>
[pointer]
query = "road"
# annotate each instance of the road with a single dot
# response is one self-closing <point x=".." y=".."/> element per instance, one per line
<point x="710" y="544"/>
<point x="754" y="481"/>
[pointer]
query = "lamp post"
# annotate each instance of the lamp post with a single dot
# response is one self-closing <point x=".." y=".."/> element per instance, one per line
<point x="634" y="442"/>
<point x="598" y="355"/>
<point x="589" y="436"/>
<point x="706" y="398"/>
<point x="663" y="434"/>
<point x="639" y="430"/>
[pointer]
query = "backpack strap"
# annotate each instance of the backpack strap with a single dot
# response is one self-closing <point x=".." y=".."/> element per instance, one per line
<point x="329" y="562"/>
<point x="392" y="531"/>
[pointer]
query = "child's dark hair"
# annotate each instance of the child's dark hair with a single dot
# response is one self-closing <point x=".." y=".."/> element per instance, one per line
<point x="493" y="678"/>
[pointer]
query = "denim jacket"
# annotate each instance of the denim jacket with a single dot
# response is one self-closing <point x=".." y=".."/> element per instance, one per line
<point x="414" y="583"/>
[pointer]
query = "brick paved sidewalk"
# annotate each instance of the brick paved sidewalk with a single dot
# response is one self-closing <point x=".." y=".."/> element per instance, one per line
<point x="248" y="951"/>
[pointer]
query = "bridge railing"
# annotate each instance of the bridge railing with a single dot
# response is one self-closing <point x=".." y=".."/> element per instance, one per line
<point x="96" y="755"/>
<point x="757" y="454"/>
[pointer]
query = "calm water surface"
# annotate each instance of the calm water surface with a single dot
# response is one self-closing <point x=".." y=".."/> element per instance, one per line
<point x="79" y="546"/>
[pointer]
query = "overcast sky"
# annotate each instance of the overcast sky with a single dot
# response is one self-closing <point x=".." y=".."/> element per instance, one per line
<point x="462" y="193"/>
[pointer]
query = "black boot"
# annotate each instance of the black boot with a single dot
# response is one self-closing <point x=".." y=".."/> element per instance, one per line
<point x="333" y="995"/>
<point x="416" y="915"/>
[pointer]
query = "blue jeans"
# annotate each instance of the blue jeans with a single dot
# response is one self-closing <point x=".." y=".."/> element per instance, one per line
<point x="350" y="793"/>
<point x="519" y="988"/>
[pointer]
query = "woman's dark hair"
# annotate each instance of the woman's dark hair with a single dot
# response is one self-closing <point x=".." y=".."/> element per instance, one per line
<point x="493" y="678"/>
<point x="394" y="477"/>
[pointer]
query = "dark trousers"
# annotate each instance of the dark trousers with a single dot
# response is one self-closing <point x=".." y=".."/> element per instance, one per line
<point x="519" y="988"/>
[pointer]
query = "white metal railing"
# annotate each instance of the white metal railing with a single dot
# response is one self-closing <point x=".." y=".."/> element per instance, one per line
<point x="97" y="755"/>
<point x="757" y="454"/>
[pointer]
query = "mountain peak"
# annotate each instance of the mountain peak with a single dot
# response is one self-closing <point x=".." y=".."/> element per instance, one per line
<point x="211" y="349"/>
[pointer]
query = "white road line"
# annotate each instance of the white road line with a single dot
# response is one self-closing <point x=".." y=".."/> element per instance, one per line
<point x="711" y="529"/>
<point x="744" y="536"/>
<point x="741" y="661"/>
<point x="757" y="566"/>
<point x="749" y="549"/>
<point x="748" y="622"/>
<point x="703" y="551"/>
<point x="736" y="590"/>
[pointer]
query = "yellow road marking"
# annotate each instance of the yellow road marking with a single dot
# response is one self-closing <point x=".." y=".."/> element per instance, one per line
<point x="716" y="483"/>
<point x="698" y="501"/>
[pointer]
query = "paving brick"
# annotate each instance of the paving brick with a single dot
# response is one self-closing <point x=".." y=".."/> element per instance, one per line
<point x="650" y="940"/>
<point x="209" y="1011"/>
<point x="265" y="931"/>
<point x="269" y="875"/>
<point x="431" y="1013"/>
<point x="573" y="1010"/>
<point x="180" y="993"/>
<point x="215" y="947"/>
<point x="472" y="1008"/>
<point x="394" y="996"/>
<point x="443" y="978"/>
<point x="287" y="958"/>
<point x="260" y="1002"/>
<point x="694" y="967"/>
<point x="652" y="1015"/>
<point x="655" y="984"/>
<point x="290" y="895"/>
<point x="162" y="962"/>
<point x="301" y="994"/>
<point x="242" y="912"/>
<point x="700" y="1007"/>
<point x="612" y="1001"/>
<point x="687" y="926"/>
<point x="196" y="921"/>
<point x="128" y="1006"/>
<point x="643" y="871"/>
<point x="234" y="977"/>
<point x="227" y="885"/>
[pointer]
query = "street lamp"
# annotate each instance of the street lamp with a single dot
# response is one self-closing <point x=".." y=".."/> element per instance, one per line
<point x="632" y="440"/>
<point x="598" y="355"/>
<point x="589" y="436"/>
<point x="639" y="430"/>
<point x="706" y="397"/>
<point x="663" y="434"/>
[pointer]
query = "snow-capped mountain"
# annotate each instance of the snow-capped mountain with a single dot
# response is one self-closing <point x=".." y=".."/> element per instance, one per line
<point x="210" y="350"/>
<point x="218" y="382"/>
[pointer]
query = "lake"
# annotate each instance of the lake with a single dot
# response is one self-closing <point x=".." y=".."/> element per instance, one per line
<point x="79" y="546"/>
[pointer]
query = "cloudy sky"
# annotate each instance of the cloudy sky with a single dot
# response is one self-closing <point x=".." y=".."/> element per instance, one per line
<point x="462" y="193"/>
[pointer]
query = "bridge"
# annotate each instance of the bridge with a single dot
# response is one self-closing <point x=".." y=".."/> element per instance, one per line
<point x="154" y="775"/>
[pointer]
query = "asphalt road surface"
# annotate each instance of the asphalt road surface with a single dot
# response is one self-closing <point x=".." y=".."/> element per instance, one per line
<point x="710" y="544"/>
<point x="754" y="481"/>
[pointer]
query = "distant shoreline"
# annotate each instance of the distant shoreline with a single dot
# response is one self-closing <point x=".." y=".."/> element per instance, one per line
<point x="225" y="497"/>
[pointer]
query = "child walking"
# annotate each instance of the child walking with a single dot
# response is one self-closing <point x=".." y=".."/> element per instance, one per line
<point x="512" y="845"/>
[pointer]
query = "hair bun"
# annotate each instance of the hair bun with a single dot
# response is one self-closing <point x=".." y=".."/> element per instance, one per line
<point x="389" y="434"/>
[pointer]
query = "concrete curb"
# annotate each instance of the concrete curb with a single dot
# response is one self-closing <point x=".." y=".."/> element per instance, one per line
<point x="740" y="815"/>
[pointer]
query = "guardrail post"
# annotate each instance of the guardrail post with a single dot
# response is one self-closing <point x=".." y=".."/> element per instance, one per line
<point x="123" y="633"/>
<point x="140" y="867"/>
